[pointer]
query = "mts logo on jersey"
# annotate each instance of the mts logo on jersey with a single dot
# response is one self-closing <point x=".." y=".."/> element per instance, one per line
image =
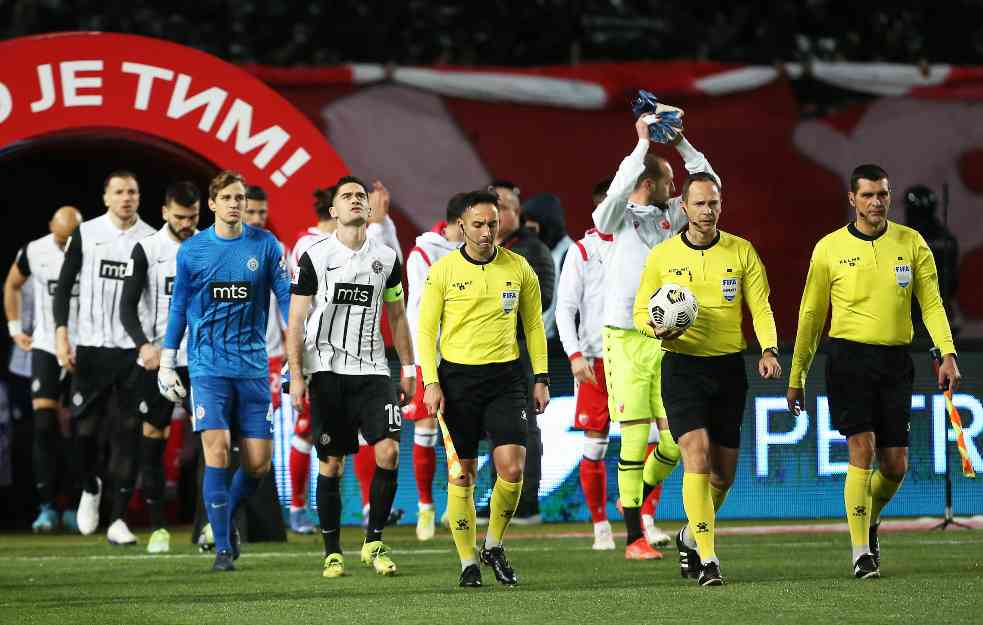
<point x="112" y="269"/>
<point x="347" y="294"/>
<point x="231" y="291"/>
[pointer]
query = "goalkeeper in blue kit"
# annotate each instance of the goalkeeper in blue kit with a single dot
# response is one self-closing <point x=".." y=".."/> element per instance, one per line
<point x="222" y="296"/>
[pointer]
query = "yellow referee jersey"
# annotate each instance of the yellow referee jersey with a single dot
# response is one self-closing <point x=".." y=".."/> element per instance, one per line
<point x="722" y="275"/>
<point x="870" y="281"/>
<point x="473" y="305"/>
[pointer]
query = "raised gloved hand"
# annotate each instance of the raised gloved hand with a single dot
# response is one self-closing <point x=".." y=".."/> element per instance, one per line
<point x="665" y="122"/>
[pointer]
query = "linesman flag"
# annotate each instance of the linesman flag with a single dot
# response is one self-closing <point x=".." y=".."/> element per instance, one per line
<point x="954" y="419"/>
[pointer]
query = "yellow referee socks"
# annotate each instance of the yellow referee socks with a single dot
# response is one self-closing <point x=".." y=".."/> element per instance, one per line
<point x="663" y="459"/>
<point x="718" y="497"/>
<point x="698" y="505"/>
<point x="856" y="497"/>
<point x="882" y="490"/>
<point x="463" y="520"/>
<point x="634" y="441"/>
<point x="504" y="499"/>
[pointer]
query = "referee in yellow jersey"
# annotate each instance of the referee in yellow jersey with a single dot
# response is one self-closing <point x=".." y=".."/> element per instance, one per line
<point x="473" y="299"/>
<point x="704" y="383"/>
<point x="869" y="270"/>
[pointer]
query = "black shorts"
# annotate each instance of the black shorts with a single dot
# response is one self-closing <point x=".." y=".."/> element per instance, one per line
<point x="153" y="407"/>
<point x="344" y="405"/>
<point x="482" y="400"/>
<point x="48" y="379"/>
<point x="705" y="392"/>
<point x="100" y="372"/>
<point x="869" y="389"/>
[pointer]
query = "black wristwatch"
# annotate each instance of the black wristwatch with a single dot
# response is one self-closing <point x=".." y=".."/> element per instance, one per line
<point x="773" y="350"/>
<point x="542" y="378"/>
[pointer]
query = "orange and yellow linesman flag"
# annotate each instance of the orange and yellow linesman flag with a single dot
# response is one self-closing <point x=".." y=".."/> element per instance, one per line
<point x="955" y="420"/>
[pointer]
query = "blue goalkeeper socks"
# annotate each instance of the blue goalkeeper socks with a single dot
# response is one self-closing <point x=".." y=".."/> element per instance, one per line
<point x="243" y="485"/>
<point x="215" y="493"/>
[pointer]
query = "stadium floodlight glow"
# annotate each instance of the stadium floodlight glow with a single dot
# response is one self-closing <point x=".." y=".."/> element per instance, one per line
<point x="942" y="433"/>
<point x="763" y="406"/>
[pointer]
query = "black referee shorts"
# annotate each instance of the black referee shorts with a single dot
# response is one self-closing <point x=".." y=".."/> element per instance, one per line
<point x="48" y="379"/>
<point x="151" y="406"/>
<point x="344" y="405"/>
<point x="705" y="392"/>
<point x="482" y="400"/>
<point x="869" y="389"/>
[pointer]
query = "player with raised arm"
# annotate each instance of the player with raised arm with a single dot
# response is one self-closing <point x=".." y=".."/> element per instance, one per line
<point x="225" y="275"/>
<point x="472" y="299"/>
<point x="144" y="308"/>
<point x="430" y="247"/>
<point x="40" y="262"/>
<point x="640" y="211"/>
<point x="867" y="272"/>
<point x="703" y="376"/>
<point x="334" y="337"/>
<point x="98" y="255"/>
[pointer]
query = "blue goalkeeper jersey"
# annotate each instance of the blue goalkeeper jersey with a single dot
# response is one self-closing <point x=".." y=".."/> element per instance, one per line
<point x="221" y="294"/>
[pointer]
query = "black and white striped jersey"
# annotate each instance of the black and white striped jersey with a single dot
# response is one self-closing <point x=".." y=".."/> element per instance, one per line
<point x="41" y="261"/>
<point x="98" y="253"/>
<point x="342" y="332"/>
<point x="147" y="291"/>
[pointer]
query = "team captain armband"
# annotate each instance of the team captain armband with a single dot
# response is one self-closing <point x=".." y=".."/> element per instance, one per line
<point x="393" y="294"/>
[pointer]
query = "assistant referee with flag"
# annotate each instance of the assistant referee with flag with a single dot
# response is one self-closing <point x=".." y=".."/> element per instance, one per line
<point x="472" y="298"/>
<point x="869" y="270"/>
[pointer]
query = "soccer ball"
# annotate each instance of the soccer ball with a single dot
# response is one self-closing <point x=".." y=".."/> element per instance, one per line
<point x="673" y="307"/>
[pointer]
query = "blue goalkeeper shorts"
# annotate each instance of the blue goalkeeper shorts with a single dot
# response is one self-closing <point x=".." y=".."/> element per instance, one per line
<point x="241" y="406"/>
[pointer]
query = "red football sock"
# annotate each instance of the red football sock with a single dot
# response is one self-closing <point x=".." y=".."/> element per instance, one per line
<point x="593" y="479"/>
<point x="424" y="467"/>
<point x="300" y="469"/>
<point x="365" y="470"/>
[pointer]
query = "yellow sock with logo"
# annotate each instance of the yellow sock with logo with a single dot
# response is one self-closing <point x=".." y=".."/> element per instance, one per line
<point x="882" y="490"/>
<point x="463" y="520"/>
<point x="504" y="500"/>
<point x="662" y="461"/>
<point x="698" y="504"/>
<point x="857" y="499"/>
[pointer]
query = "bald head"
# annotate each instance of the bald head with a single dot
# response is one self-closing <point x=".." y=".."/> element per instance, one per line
<point x="64" y="222"/>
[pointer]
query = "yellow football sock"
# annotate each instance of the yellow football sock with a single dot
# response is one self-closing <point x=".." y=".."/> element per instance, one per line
<point x="663" y="459"/>
<point x="698" y="505"/>
<point x="882" y="490"/>
<point x="463" y="520"/>
<point x="857" y="499"/>
<point x="718" y="497"/>
<point x="634" y="441"/>
<point x="504" y="499"/>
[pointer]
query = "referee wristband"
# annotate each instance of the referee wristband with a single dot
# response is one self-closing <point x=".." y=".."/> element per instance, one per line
<point x="409" y="371"/>
<point x="14" y="327"/>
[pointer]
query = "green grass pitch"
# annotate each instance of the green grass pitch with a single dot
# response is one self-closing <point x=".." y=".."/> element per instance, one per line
<point x="929" y="577"/>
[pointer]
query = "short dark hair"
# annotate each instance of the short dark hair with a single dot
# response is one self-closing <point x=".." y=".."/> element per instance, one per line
<point x="456" y="206"/>
<point x="700" y="176"/>
<point x="117" y="173"/>
<point x="505" y="184"/>
<point x="479" y="197"/>
<point x="343" y="181"/>
<point x="601" y="188"/>
<point x="867" y="171"/>
<point x="254" y="192"/>
<point x="322" y="202"/>
<point x="222" y="180"/>
<point x="653" y="169"/>
<point x="183" y="193"/>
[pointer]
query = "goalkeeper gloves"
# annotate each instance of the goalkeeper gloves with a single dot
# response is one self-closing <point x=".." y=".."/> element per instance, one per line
<point x="665" y="122"/>
<point x="168" y="381"/>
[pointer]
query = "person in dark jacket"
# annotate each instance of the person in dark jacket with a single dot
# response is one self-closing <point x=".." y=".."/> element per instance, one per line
<point x="514" y="236"/>
<point x="921" y="213"/>
<point x="544" y="216"/>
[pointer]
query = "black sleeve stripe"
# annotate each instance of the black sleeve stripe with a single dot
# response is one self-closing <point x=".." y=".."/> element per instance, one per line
<point x="23" y="263"/>
<point x="396" y="275"/>
<point x="306" y="283"/>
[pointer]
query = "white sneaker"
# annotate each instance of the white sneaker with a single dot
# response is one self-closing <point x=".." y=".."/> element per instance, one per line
<point x="88" y="511"/>
<point x="120" y="534"/>
<point x="653" y="535"/>
<point x="160" y="542"/>
<point x="603" y="537"/>
<point x="206" y="539"/>
<point x="425" y="525"/>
